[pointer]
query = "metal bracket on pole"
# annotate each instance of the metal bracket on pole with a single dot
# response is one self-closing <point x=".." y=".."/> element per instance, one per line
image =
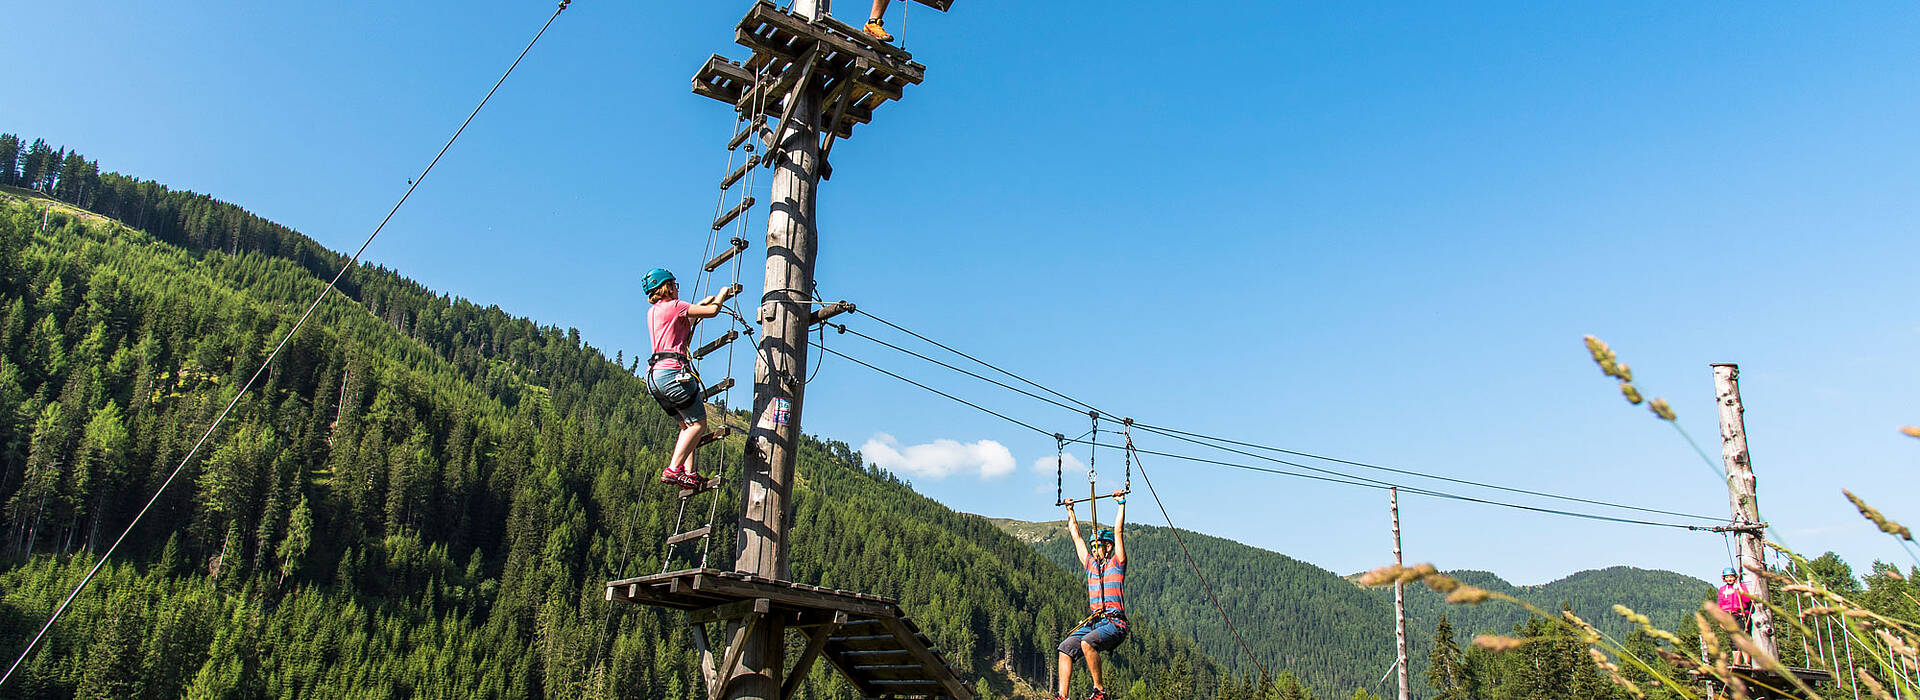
<point x="832" y="310"/>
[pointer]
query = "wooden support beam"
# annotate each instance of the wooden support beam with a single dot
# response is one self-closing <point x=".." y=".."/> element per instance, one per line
<point x="741" y="637"/>
<point x="816" y="641"/>
<point x="832" y="310"/>
<point x="707" y="671"/>
<point x="786" y="113"/>
<point x="716" y="344"/>
<point x="730" y="611"/>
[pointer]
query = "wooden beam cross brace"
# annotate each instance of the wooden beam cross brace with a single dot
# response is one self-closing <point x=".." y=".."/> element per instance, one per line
<point x="786" y="113"/>
<point x="742" y="635"/>
<point x="816" y="642"/>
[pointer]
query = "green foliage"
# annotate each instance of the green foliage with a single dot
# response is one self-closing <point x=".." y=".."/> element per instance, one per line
<point x="421" y="497"/>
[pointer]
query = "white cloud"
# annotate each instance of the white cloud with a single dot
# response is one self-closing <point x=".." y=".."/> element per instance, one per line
<point x="1069" y="464"/>
<point x="939" y="458"/>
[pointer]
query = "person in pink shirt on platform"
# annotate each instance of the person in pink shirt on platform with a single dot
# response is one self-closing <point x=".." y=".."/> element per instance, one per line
<point x="670" y="374"/>
<point x="1735" y="601"/>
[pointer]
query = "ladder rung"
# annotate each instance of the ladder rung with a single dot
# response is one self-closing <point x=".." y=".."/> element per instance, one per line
<point x="889" y="667"/>
<point x="739" y="244"/>
<point x="875" y="652"/>
<point x="920" y="681"/>
<point x="689" y="535"/>
<point x="717" y="343"/>
<point x="739" y="172"/>
<point x="759" y="120"/>
<point x="715" y="390"/>
<point x="733" y="213"/>
<point x="715" y="436"/>
<point x="860" y="638"/>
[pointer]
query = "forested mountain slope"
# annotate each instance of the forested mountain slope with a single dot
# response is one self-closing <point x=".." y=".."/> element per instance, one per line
<point x="1324" y="628"/>
<point x="422" y="498"/>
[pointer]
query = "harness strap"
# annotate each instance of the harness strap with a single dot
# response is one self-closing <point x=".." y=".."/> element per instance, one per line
<point x="658" y="356"/>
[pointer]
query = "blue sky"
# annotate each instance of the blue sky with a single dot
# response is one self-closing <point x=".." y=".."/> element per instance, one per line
<point x="1375" y="232"/>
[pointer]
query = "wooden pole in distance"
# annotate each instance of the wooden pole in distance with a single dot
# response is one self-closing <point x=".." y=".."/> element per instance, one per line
<point x="1399" y="600"/>
<point x="785" y="314"/>
<point x="1741" y="493"/>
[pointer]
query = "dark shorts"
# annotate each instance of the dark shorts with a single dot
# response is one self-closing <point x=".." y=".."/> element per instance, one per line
<point x="678" y="392"/>
<point x="1103" y="635"/>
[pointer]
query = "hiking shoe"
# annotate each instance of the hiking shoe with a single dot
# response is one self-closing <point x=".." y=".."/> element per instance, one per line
<point x="1098" y="694"/>
<point x="876" y="30"/>
<point x="673" y="476"/>
<point x="692" y="480"/>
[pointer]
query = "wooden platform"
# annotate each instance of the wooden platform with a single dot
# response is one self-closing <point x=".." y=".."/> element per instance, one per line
<point x="855" y="72"/>
<point x="865" y="637"/>
<point x="1775" y="679"/>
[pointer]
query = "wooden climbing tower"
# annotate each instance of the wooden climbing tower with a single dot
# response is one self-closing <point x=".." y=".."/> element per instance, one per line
<point x="809" y="81"/>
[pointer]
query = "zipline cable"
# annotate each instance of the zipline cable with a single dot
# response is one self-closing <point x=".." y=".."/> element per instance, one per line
<point x="1350" y="481"/>
<point x="1196" y="437"/>
<point x="271" y="356"/>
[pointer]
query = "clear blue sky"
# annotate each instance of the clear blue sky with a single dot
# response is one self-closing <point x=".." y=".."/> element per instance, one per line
<point x="1376" y="232"/>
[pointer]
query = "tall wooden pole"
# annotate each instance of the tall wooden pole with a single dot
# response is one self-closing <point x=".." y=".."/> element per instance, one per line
<point x="1399" y="601"/>
<point x="766" y="505"/>
<point x="1741" y="488"/>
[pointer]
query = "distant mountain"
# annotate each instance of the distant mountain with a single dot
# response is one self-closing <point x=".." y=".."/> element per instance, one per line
<point x="1323" y="627"/>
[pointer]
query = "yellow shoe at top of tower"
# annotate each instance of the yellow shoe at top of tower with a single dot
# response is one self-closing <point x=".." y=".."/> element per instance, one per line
<point x="877" y="30"/>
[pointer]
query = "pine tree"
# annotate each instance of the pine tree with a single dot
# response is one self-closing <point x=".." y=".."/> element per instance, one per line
<point x="34" y="167"/>
<point x="9" y="159"/>
<point x="1447" y="671"/>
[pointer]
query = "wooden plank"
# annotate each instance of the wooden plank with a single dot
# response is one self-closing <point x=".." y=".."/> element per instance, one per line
<point x="724" y="338"/>
<point x="936" y="667"/>
<point x="730" y="611"/>
<point x="816" y="642"/>
<point x="689" y="535"/>
<point x="741" y="636"/>
<point x="765" y="14"/>
<point x="707" y="671"/>
<point x="792" y="596"/>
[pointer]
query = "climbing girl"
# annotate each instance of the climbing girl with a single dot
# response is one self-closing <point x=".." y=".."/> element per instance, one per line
<point x="1106" y="625"/>
<point x="670" y="375"/>
<point x="1735" y="601"/>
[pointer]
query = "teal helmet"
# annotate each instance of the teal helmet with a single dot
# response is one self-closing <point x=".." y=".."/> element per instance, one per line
<point x="1729" y="571"/>
<point x="654" y="278"/>
<point x="1103" y="536"/>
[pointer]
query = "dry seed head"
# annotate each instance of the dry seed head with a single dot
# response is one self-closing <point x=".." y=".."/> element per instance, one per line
<point x="1623" y="372"/>
<point x="1911" y="431"/>
<point x="1587" y="631"/>
<point x="1872" y="684"/>
<point x="1468" y="595"/>
<point x="1818" y="611"/>
<point x="1598" y="348"/>
<point x="1720" y="617"/>
<point x="1380" y="576"/>
<point x="1497" y="643"/>
<point x="1633" y="617"/>
<point x="1661" y="409"/>
<point x="1709" y="639"/>
<point x="1424" y="569"/>
<point x="1632" y="394"/>
<point x="1895" y="575"/>
<point x="1869" y="512"/>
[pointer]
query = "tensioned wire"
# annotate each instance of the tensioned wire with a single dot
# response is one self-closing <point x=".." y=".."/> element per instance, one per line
<point x="1206" y="440"/>
<point x="1350" y="481"/>
<point x="332" y="284"/>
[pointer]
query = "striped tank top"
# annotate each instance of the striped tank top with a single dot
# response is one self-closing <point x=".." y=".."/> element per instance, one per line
<point x="1104" y="582"/>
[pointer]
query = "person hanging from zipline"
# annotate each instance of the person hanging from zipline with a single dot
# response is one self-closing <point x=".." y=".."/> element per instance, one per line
<point x="876" y="26"/>
<point x="1735" y="601"/>
<point x="670" y="374"/>
<point x="1104" y="557"/>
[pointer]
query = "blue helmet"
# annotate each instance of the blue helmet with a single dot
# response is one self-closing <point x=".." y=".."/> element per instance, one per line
<point x="1103" y="536"/>
<point x="1729" y="571"/>
<point x="654" y="278"/>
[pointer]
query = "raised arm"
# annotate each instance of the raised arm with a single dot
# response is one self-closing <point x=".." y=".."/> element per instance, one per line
<point x="1073" y="528"/>
<point x="1119" y="527"/>
<point x="710" y="306"/>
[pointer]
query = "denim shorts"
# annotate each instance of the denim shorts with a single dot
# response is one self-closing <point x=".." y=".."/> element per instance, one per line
<point x="678" y="392"/>
<point x="1103" y="635"/>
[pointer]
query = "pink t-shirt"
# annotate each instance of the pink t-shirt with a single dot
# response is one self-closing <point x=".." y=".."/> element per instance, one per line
<point x="668" y="325"/>
<point x="1734" y="599"/>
